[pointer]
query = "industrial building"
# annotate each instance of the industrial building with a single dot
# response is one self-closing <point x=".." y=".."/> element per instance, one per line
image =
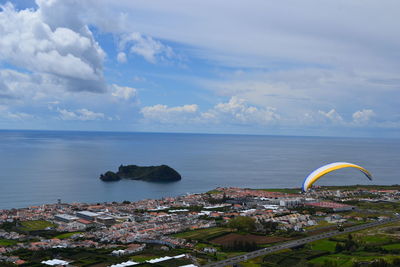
<point x="87" y="215"/>
<point x="106" y="220"/>
<point x="65" y="218"/>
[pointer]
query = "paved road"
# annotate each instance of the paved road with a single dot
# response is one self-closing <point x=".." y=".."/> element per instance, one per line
<point x="296" y="243"/>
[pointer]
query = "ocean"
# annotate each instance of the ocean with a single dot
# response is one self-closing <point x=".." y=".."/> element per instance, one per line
<point x="40" y="167"/>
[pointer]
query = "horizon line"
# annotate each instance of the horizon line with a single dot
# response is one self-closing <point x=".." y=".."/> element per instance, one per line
<point x="197" y="133"/>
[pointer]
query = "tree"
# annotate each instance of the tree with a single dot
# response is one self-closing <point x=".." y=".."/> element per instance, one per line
<point x="269" y="226"/>
<point x="396" y="262"/>
<point x="329" y="263"/>
<point x="338" y="248"/>
<point x="379" y="263"/>
<point x="243" y="223"/>
<point x="350" y="244"/>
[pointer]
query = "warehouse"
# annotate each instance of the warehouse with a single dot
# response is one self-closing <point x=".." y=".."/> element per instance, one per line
<point x="87" y="215"/>
<point x="65" y="218"/>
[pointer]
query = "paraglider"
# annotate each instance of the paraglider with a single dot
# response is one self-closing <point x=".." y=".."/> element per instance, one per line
<point x="318" y="173"/>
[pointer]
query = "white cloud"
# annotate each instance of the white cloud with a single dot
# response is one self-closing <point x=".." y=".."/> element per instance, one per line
<point x="6" y="114"/>
<point x="236" y="110"/>
<point x="165" y="114"/>
<point x="351" y="58"/>
<point x="123" y="92"/>
<point x="137" y="78"/>
<point x="5" y="92"/>
<point x="15" y="86"/>
<point x="121" y="57"/>
<point x="56" y="54"/>
<point x="299" y="91"/>
<point x="363" y="116"/>
<point x="41" y="93"/>
<point x="212" y="31"/>
<point x="80" y="114"/>
<point x="33" y="88"/>
<point x="19" y="115"/>
<point x="331" y="116"/>
<point x="31" y="42"/>
<point x="145" y="46"/>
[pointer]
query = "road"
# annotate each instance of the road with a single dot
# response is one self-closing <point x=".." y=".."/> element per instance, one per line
<point x="297" y="242"/>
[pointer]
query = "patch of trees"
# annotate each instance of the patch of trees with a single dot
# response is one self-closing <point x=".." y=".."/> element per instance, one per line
<point x="8" y="226"/>
<point x="378" y="263"/>
<point x="348" y="246"/>
<point x="243" y="223"/>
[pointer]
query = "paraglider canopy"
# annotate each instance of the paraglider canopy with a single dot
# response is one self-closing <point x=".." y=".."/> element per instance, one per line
<point x="318" y="173"/>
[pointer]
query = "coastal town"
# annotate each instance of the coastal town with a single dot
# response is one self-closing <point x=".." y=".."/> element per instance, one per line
<point x="188" y="230"/>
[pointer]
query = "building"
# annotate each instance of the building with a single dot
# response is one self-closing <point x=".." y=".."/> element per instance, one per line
<point x="82" y="223"/>
<point x="106" y="220"/>
<point x="87" y="215"/>
<point x="133" y="248"/>
<point x="210" y="250"/>
<point x="290" y="202"/>
<point x="65" y="218"/>
<point x="331" y="205"/>
<point x="55" y="262"/>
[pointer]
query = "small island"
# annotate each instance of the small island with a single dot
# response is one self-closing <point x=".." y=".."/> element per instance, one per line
<point x="162" y="173"/>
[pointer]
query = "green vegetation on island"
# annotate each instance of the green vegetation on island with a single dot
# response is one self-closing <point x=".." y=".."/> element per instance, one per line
<point x="110" y="176"/>
<point x="162" y="173"/>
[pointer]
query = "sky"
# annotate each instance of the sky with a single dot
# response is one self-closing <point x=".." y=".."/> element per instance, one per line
<point x="310" y="67"/>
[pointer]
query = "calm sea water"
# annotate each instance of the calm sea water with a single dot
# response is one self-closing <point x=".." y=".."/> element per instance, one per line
<point x="41" y="166"/>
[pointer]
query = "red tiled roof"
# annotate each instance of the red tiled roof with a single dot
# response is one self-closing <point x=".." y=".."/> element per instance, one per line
<point x="326" y="204"/>
<point x="84" y="221"/>
<point x="18" y="262"/>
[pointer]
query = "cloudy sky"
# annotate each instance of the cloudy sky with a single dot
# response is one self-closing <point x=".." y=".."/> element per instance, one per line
<point x="292" y="67"/>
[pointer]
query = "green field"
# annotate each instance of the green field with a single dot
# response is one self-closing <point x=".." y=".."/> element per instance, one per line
<point x="373" y="244"/>
<point x="290" y="257"/>
<point x="67" y="235"/>
<point x="143" y="258"/>
<point x="376" y="240"/>
<point x="392" y="247"/>
<point x="7" y="242"/>
<point x="79" y="256"/>
<point x="320" y="224"/>
<point x="35" y="225"/>
<point x="203" y="234"/>
<point x="214" y="191"/>
<point x="364" y="215"/>
<point x="349" y="260"/>
<point x="323" y="245"/>
<point x="283" y="190"/>
<point x="379" y="206"/>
